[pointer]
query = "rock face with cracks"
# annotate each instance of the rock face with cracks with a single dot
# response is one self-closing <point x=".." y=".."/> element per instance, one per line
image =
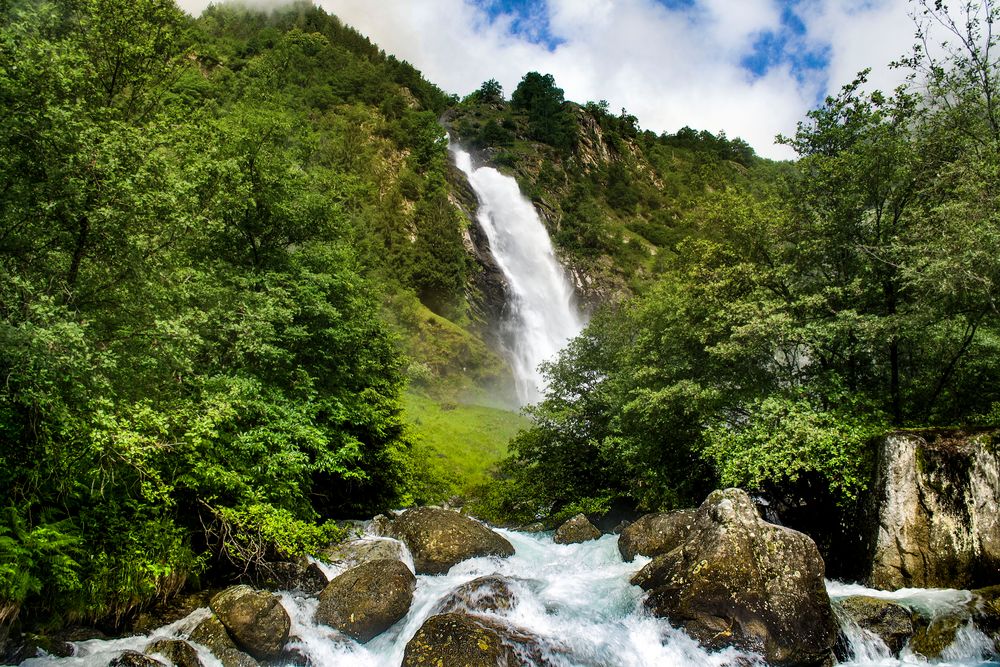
<point x="736" y="580"/>
<point x="366" y="601"/>
<point x="439" y="538"/>
<point x="938" y="525"/>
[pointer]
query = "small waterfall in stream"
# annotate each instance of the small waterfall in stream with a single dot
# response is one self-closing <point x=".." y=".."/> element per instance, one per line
<point x="542" y="316"/>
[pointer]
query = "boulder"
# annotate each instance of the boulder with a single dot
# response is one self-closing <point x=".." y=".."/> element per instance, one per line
<point x="462" y="640"/>
<point x="888" y="620"/>
<point x="212" y="634"/>
<point x="304" y="577"/>
<point x="736" y="580"/>
<point x="933" y="636"/>
<point x="357" y="552"/>
<point x="490" y="593"/>
<point x="576" y="530"/>
<point x="936" y="499"/>
<point x="439" y="538"/>
<point x="134" y="659"/>
<point x="381" y="525"/>
<point x="255" y="620"/>
<point x="365" y="601"/>
<point x="986" y="611"/>
<point x="176" y="651"/>
<point x="654" y="534"/>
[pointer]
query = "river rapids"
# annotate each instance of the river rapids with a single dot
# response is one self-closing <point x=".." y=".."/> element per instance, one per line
<point x="576" y="598"/>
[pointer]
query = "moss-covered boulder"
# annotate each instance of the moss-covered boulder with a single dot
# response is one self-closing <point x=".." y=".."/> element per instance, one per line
<point x="890" y="621"/>
<point x="576" y="530"/>
<point x="932" y="636"/>
<point x="254" y="619"/>
<point x="212" y="634"/>
<point x="736" y="580"/>
<point x="490" y="593"/>
<point x="367" y="600"/>
<point x="654" y="534"/>
<point x="438" y="539"/>
<point x="463" y="640"/>
<point x="177" y="652"/>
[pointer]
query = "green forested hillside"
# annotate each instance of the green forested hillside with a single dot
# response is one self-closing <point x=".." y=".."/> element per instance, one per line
<point x="798" y="317"/>
<point x="226" y="245"/>
<point x="617" y="199"/>
<point x="210" y="232"/>
<point x="240" y="295"/>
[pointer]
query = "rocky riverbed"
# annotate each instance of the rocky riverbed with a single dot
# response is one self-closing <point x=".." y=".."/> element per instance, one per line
<point x="713" y="586"/>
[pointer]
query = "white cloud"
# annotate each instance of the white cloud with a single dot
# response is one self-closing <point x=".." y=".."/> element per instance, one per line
<point x="862" y="34"/>
<point x="669" y="67"/>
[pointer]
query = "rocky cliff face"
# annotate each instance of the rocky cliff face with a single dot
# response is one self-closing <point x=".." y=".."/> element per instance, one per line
<point x="489" y="293"/>
<point x="937" y="503"/>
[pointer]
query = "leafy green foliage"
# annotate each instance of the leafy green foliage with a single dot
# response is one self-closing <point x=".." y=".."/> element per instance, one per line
<point x="548" y="118"/>
<point x="197" y="371"/>
<point x="796" y="318"/>
<point x="784" y="439"/>
<point x="618" y="199"/>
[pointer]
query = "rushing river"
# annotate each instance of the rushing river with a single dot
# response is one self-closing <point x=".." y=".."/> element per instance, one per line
<point x="542" y="316"/>
<point x="576" y="598"/>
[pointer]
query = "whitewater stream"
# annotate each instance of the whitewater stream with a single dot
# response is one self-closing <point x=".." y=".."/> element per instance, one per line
<point x="541" y="315"/>
<point x="575" y="597"/>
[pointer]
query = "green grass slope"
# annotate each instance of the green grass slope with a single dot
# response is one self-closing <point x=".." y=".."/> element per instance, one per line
<point x="461" y="442"/>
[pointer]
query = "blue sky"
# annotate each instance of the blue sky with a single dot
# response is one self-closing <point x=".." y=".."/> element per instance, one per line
<point x="751" y="68"/>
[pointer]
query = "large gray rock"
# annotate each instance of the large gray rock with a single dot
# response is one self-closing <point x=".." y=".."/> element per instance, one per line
<point x="357" y="552"/>
<point x="439" y="538"/>
<point x="937" y="499"/>
<point x="212" y="634"/>
<point x="890" y="621"/>
<point x="490" y="593"/>
<point x="365" y="601"/>
<point x="576" y="530"/>
<point x="654" y="534"/>
<point x="737" y="580"/>
<point x="462" y="640"/>
<point x="255" y="620"/>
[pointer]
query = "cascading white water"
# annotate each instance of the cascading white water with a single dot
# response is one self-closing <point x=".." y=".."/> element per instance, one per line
<point x="575" y="598"/>
<point x="542" y="315"/>
<point x="970" y="648"/>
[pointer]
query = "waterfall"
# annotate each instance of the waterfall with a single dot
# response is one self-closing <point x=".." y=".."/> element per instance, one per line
<point x="542" y="316"/>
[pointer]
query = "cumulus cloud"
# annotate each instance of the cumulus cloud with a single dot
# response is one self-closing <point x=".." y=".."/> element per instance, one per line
<point x="751" y="68"/>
